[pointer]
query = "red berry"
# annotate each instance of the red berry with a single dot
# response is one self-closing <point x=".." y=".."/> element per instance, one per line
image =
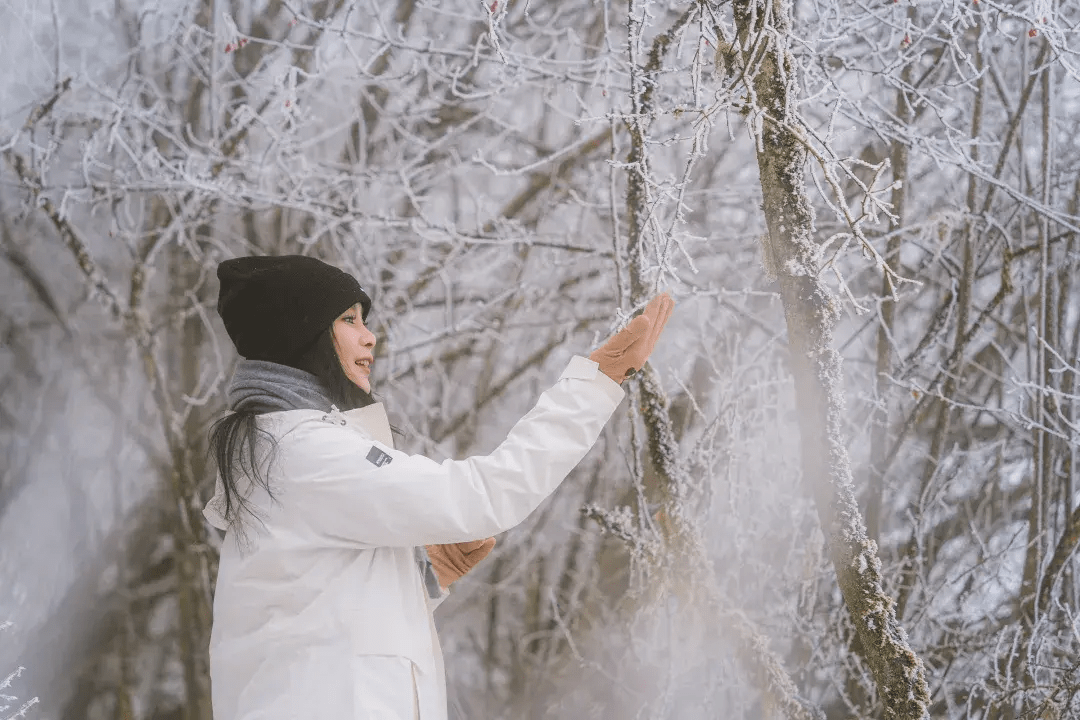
<point x="288" y="103"/>
<point x="1032" y="32"/>
<point x="494" y="5"/>
<point x="228" y="48"/>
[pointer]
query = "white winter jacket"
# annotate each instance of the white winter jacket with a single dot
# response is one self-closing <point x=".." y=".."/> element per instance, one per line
<point x="324" y="616"/>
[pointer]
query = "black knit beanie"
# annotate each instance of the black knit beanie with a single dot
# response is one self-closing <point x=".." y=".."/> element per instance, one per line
<point x="274" y="308"/>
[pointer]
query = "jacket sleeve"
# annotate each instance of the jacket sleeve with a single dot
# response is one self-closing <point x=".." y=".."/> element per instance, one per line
<point x="339" y="487"/>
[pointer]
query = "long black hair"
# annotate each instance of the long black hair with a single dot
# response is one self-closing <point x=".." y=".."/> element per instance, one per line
<point x="236" y="440"/>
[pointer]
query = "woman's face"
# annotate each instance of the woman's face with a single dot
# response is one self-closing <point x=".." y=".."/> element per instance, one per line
<point x="354" y="343"/>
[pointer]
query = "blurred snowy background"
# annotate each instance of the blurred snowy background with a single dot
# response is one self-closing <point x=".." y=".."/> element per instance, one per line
<point x="511" y="180"/>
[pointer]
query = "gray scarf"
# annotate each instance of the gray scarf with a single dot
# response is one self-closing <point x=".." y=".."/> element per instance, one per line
<point x="260" y="387"/>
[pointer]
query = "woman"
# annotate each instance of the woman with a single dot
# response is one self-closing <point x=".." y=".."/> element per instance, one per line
<point x="323" y="606"/>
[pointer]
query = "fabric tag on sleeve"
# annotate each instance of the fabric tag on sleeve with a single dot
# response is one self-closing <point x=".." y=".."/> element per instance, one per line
<point x="377" y="457"/>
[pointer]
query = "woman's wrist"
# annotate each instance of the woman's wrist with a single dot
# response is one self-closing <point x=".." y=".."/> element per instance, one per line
<point x="610" y="372"/>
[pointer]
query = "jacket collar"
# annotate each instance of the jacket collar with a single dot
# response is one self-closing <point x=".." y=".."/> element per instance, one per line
<point x="373" y="421"/>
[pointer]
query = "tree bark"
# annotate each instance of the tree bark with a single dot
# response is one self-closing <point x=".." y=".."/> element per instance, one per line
<point x="811" y="310"/>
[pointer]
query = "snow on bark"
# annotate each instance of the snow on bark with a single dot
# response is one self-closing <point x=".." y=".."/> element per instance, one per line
<point x="811" y="311"/>
<point x="674" y="546"/>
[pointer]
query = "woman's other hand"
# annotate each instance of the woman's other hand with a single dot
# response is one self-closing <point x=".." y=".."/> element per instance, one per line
<point x="626" y="352"/>
<point x="452" y="561"/>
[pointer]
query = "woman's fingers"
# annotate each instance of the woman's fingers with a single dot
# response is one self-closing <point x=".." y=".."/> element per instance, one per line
<point x="635" y="330"/>
<point x="482" y="550"/>
<point x="658" y="311"/>
<point x="652" y="310"/>
<point x="664" y="309"/>
<point x="471" y="545"/>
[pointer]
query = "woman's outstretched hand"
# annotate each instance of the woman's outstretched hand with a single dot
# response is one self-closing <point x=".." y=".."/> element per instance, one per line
<point x="626" y="352"/>
<point x="621" y="356"/>
<point x="452" y="561"/>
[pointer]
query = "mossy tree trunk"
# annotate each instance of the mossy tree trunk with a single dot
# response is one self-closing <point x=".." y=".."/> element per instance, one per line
<point x="811" y="310"/>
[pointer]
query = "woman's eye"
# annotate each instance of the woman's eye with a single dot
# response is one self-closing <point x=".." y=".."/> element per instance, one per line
<point x="348" y="318"/>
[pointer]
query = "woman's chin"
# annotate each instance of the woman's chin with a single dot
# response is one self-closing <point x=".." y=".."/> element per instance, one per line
<point x="360" y="381"/>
